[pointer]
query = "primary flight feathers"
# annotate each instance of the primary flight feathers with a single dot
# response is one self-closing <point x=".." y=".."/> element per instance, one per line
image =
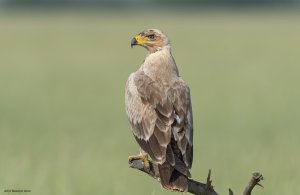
<point x="158" y="106"/>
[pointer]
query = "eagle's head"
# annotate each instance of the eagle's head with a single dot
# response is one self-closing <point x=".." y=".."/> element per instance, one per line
<point x="152" y="39"/>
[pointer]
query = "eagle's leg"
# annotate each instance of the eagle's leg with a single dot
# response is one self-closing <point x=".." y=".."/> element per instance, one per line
<point x="142" y="155"/>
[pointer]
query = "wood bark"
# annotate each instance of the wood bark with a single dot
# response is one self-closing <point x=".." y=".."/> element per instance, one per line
<point x="194" y="187"/>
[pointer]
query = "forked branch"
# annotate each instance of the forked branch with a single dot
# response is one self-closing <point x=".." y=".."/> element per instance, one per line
<point x="256" y="178"/>
<point x="194" y="187"/>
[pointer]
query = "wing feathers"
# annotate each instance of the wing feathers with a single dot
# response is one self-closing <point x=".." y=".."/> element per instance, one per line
<point x="163" y="137"/>
<point x="164" y="112"/>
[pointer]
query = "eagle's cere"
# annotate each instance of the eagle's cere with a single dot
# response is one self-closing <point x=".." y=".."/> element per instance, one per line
<point x="158" y="106"/>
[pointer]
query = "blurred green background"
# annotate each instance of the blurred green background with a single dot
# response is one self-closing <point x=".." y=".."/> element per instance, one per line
<point x="63" y="128"/>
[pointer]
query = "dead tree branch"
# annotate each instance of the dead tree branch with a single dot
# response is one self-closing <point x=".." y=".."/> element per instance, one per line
<point x="194" y="187"/>
<point x="256" y="178"/>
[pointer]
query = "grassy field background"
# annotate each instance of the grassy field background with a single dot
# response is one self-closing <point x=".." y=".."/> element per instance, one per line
<point x="63" y="128"/>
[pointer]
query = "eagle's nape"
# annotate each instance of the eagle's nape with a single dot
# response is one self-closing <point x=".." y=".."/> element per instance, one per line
<point x="158" y="106"/>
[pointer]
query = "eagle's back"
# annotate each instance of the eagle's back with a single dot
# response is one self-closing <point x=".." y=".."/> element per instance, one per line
<point x="159" y="110"/>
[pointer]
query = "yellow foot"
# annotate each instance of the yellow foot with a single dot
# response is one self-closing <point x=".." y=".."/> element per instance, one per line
<point x="141" y="156"/>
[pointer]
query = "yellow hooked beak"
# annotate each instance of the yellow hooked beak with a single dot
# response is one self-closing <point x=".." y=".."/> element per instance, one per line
<point x="137" y="40"/>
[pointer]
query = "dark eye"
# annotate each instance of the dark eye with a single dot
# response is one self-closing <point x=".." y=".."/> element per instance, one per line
<point x="151" y="36"/>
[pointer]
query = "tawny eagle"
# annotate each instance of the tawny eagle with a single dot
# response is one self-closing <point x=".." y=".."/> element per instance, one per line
<point x="158" y="106"/>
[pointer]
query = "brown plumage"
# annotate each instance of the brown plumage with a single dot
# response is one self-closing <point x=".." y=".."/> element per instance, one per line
<point x="158" y="106"/>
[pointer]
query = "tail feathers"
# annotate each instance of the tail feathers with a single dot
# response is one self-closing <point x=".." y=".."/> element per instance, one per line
<point x="172" y="179"/>
<point x="181" y="167"/>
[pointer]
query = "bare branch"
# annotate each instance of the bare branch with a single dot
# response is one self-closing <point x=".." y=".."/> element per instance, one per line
<point x="209" y="181"/>
<point x="256" y="178"/>
<point x="194" y="187"/>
